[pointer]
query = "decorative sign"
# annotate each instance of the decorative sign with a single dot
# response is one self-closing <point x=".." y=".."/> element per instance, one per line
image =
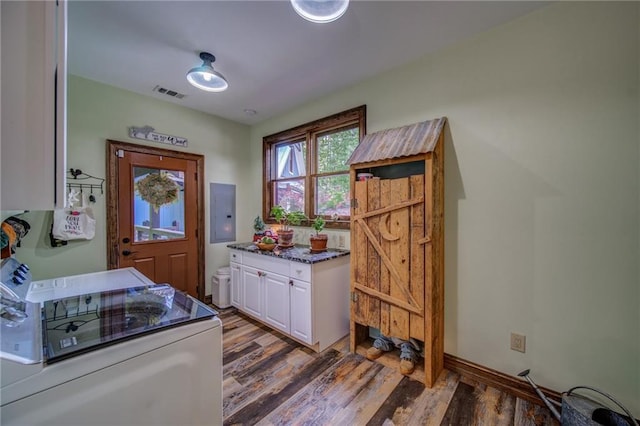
<point x="146" y="133"/>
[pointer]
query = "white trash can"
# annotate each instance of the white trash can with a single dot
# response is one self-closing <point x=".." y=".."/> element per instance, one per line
<point x="220" y="288"/>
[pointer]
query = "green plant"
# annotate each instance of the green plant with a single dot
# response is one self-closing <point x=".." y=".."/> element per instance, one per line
<point x="285" y="218"/>
<point x="258" y="225"/>
<point x="318" y="224"/>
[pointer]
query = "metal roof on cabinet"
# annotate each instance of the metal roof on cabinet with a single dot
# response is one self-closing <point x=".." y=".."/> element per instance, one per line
<point x="419" y="138"/>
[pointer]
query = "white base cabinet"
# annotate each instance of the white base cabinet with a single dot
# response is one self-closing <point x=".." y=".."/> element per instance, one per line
<point x="251" y="290"/>
<point x="300" y="303"/>
<point x="309" y="302"/>
<point x="277" y="301"/>
<point x="235" y="278"/>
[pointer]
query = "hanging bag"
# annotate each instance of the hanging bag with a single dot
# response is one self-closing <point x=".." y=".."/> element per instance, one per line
<point x="74" y="223"/>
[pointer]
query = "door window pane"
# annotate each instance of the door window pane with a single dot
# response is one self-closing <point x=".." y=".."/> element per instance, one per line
<point x="332" y="195"/>
<point x="158" y="204"/>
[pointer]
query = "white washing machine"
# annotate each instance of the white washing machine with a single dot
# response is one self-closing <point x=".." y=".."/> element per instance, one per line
<point x="101" y="349"/>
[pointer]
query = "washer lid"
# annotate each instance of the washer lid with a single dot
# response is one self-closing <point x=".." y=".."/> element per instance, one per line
<point x="84" y="323"/>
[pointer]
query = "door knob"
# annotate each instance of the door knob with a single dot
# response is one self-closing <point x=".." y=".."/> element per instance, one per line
<point x="127" y="252"/>
<point x="126" y="240"/>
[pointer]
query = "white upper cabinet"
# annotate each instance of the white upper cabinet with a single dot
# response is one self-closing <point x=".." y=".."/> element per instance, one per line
<point x="34" y="86"/>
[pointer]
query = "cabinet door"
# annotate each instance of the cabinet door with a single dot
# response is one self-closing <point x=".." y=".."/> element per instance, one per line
<point x="236" y="281"/>
<point x="33" y="105"/>
<point x="300" y="308"/>
<point x="252" y="291"/>
<point x="276" y="301"/>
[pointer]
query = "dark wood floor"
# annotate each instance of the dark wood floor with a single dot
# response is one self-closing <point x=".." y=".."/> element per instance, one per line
<point x="272" y="380"/>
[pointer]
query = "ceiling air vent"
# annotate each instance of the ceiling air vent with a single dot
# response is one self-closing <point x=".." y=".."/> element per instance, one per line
<point x="168" y="92"/>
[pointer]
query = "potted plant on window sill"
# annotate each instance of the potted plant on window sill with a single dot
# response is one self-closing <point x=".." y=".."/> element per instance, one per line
<point x="318" y="241"/>
<point x="286" y="220"/>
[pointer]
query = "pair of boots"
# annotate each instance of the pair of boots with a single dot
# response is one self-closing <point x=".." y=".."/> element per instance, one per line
<point x="409" y="352"/>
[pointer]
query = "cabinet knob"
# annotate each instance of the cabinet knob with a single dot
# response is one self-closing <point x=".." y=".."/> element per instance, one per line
<point x="291" y="282"/>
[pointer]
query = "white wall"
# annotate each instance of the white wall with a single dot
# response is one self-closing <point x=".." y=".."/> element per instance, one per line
<point x="98" y="112"/>
<point x="542" y="192"/>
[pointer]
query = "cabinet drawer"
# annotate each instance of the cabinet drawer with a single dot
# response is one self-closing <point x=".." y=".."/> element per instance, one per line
<point x="300" y="271"/>
<point x="266" y="263"/>
<point x="235" y="256"/>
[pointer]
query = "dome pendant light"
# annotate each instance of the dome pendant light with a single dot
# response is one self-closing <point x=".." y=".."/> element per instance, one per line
<point x="320" y="11"/>
<point x="205" y="77"/>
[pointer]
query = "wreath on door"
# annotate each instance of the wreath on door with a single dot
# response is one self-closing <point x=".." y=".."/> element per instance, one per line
<point x="157" y="190"/>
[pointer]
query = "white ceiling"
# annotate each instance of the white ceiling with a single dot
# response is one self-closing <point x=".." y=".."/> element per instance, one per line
<point x="273" y="59"/>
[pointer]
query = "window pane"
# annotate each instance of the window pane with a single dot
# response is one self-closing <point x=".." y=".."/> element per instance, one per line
<point x="290" y="194"/>
<point x="332" y="195"/>
<point x="291" y="160"/>
<point x="334" y="149"/>
<point x="158" y="204"/>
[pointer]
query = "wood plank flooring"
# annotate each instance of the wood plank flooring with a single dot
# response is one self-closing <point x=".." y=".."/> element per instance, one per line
<point x="269" y="379"/>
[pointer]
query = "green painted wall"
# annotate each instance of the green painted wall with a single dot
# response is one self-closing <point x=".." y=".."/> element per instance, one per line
<point x="542" y="185"/>
<point x="98" y="112"/>
<point x="542" y="191"/>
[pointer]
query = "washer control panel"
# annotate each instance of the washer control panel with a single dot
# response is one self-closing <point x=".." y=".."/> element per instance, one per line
<point x="16" y="276"/>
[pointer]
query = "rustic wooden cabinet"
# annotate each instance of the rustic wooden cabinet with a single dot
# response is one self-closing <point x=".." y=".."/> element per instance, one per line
<point x="397" y="241"/>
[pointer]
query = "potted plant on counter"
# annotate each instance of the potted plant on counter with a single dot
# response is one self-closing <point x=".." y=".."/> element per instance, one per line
<point x="258" y="228"/>
<point x="286" y="220"/>
<point x="266" y="243"/>
<point x="318" y="241"/>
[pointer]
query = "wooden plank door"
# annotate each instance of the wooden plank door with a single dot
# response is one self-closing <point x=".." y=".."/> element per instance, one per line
<point x="157" y="204"/>
<point x="388" y="258"/>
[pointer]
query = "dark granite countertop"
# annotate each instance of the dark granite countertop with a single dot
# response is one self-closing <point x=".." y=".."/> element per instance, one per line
<point x="297" y="253"/>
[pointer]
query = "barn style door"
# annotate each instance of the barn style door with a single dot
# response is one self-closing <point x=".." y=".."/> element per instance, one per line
<point x="389" y="228"/>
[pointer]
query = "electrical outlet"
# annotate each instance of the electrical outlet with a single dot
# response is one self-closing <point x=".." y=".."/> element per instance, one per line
<point x="518" y="342"/>
<point x="341" y="241"/>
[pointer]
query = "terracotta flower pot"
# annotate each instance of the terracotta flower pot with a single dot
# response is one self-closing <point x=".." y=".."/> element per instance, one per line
<point x="319" y="242"/>
<point x="285" y="238"/>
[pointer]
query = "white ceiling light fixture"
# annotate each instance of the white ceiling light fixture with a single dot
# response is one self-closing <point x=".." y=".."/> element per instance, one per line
<point x="205" y="77"/>
<point x="320" y="11"/>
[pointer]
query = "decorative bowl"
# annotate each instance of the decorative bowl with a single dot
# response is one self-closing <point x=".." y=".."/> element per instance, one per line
<point x="265" y="246"/>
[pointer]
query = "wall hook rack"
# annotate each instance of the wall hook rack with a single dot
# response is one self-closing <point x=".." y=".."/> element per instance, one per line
<point x="93" y="183"/>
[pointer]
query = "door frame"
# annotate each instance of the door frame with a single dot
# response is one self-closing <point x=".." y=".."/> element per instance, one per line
<point x="112" y="200"/>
